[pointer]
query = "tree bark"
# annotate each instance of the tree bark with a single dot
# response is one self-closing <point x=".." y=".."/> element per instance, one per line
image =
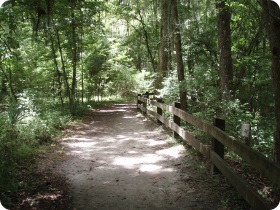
<point x="147" y="41"/>
<point x="179" y="56"/>
<point x="224" y="46"/>
<point x="63" y="66"/>
<point x="9" y="80"/>
<point x="164" y="48"/>
<point x="272" y="14"/>
<point x="74" y="59"/>
<point x="57" y="71"/>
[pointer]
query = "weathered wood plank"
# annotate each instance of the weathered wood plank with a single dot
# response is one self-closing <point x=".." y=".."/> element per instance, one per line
<point x="194" y="142"/>
<point x="264" y="165"/>
<point x="217" y="146"/>
<point x="261" y="163"/>
<point x="252" y="197"/>
<point x="176" y="119"/>
<point x="159" y="110"/>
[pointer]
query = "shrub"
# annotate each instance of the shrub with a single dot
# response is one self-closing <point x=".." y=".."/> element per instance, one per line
<point x="24" y="125"/>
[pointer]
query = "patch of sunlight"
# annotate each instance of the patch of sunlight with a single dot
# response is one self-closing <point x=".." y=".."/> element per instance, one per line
<point x="174" y="152"/>
<point x="75" y="152"/>
<point x="149" y="168"/>
<point x="132" y="152"/>
<point x="132" y="162"/>
<point x="139" y="115"/>
<point x="111" y="110"/>
<point x="124" y="105"/>
<point x="155" y="143"/>
<point x="129" y="117"/>
<point x="81" y="144"/>
<point x="76" y="139"/>
<point x="121" y="137"/>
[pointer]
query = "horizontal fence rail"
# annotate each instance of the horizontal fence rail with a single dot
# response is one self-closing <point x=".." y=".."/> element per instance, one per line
<point x="265" y="166"/>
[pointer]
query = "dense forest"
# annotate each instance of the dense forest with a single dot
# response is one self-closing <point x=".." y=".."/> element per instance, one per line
<point x="59" y="58"/>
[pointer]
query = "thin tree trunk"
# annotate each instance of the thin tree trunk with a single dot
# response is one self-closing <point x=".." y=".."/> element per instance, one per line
<point x="147" y="42"/>
<point x="10" y="46"/>
<point x="63" y="66"/>
<point x="272" y="14"/>
<point x="247" y="52"/>
<point x="139" y="57"/>
<point x="9" y="80"/>
<point x="74" y="58"/>
<point x="57" y="71"/>
<point x="82" y="63"/>
<point x="224" y="45"/>
<point x="179" y="56"/>
<point x="83" y="86"/>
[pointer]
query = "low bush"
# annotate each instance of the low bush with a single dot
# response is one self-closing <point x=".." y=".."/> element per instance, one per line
<point x="24" y="126"/>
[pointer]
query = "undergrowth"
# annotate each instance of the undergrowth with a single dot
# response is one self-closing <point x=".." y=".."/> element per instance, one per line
<point x="25" y="126"/>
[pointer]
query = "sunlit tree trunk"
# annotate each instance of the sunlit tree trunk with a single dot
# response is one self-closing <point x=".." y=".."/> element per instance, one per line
<point x="272" y="14"/>
<point x="179" y="56"/>
<point x="224" y="47"/>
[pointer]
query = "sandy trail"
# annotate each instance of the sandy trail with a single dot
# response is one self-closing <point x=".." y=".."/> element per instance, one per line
<point x="117" y="159"/>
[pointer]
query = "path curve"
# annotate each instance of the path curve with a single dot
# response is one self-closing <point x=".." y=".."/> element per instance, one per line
<point x="118" y="159"/>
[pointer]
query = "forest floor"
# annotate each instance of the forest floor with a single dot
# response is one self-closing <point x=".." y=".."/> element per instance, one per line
<point x="118" y="159"/>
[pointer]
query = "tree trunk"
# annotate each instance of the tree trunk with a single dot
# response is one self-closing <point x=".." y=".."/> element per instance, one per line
<point x="4" y="80"/>
<point x="74" y="59"/>
<point x="57" y="71"/>
<point x="147" y="41"/>
<point x="164" y="48"/>
<point x="8" y="79"/>
<point x="224" y="47"/>
<point x="272" y="14"/>
<point x="178" y="49"/>
<point x="63" y="66"/>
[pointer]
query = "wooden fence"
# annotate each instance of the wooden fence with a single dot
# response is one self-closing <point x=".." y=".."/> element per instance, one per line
<point x="215" y="152"/>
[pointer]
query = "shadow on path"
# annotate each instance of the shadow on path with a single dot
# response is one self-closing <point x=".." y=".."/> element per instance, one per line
<point x="117" y="159"/>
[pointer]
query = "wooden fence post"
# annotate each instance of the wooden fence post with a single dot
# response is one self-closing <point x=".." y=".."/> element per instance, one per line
<point x="217" y="146"/>
<point x="159" y="110"/>
<point x="245" y="132"/>
<point x="145" y="96"/>
<point x="138" y="102"/>
<point x="176" y="119"/>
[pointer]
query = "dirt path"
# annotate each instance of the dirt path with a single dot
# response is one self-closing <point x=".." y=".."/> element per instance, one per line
<point x="117" y="159"/>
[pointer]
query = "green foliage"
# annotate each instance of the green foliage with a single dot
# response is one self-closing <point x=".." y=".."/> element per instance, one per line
<point x="25" y="125"/>
<point x="145" y="81"/>
<point x="111" y="45"/>
<point x="170" y="89"/>
<point x="252" y="100"/>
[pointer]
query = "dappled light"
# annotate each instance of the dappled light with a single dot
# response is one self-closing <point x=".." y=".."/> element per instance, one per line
<point x="71" y="66"/>
<point x="121" y="155"/>
<point x="111" y="111"/>
<point x="150" y="168"/>
<point x="174" y="152"/>
<point x="134" y="162"/>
